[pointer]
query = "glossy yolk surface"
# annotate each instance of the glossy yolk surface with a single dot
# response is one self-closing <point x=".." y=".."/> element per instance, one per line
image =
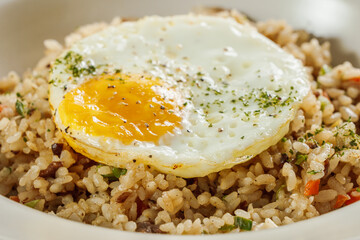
<point x="124" y="107"/>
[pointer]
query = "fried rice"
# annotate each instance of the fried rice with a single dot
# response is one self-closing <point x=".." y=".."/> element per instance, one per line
<point x="314" y="169"/>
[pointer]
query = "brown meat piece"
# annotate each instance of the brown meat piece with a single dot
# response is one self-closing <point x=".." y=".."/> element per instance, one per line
<point x="141" y="206"/>
<point x="147" y="227"/>
<point x="57" y="148"/>
<point x="50" y="170"/>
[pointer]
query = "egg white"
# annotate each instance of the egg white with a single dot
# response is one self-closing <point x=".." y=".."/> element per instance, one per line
<point x="229" y="61"/>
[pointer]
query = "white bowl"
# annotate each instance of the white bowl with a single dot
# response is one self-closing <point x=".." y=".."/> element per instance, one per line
<point x="25" y="24"/>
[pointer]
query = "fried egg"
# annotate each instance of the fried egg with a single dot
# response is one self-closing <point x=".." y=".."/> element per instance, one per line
<point x="188" y="95"/>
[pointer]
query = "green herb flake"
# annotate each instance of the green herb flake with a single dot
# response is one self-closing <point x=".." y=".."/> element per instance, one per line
<point x="99" y="166"/>
<point x="300" y="158"/>
<point x="300" y="139"/>
<point x="25" y="139"/>
<point x="324" y="70"/>
<point x="284" y="139"/>
<point x="32" y="203"/>
<point x="319" y="130"/>
<point x="313" y="172"/>
<point x="277" y="193"/>
<point x="358" y="189"/>
<point x="73" y="61"/>
<point x="322" y="106"/>
<point x="243" y="223"/>
<point x="353" y="143"/>
<point x="351" y="133"/>
<point x="309" y="135"/>
<point x="223" y="197"/>
<point x="199" y="74"/>
<point x="20" y="108"/>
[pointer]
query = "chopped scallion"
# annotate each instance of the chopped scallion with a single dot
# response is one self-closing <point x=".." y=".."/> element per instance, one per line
<point x="243" y="223"/>
<point x="324" y="70"/>
<point x="20" y="108"/>
<point x="227" y="227"/>
<point x="300" y="158"/>
<point x="116" y="173"/>
<point x="313" y="172"/>
<point x="32" y="203"/>
<point x="277" y="193"/>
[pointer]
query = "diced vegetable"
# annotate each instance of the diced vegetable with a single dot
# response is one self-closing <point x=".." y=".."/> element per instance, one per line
<point x="312" y="187"/>
<point x="1" y="108"/>
<point x="243" y="223"/>
<point x="351" y="197"/>
<point x="340" y="201"/>
<point x="354" y="197"/>
<point x="15" y="198"/>
<point x="355" y="79"/>
<point x="32" y="203"/>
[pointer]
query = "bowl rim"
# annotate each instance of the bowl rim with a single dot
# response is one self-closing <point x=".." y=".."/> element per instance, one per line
<point x="21" y="222"/>
<point x="16" y="226"/>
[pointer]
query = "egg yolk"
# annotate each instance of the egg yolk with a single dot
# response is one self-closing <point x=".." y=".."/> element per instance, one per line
<point x="124" y="107"/>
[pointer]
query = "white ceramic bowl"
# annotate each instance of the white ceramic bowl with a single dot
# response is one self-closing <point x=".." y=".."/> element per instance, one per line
<point x="25" y="24"/>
